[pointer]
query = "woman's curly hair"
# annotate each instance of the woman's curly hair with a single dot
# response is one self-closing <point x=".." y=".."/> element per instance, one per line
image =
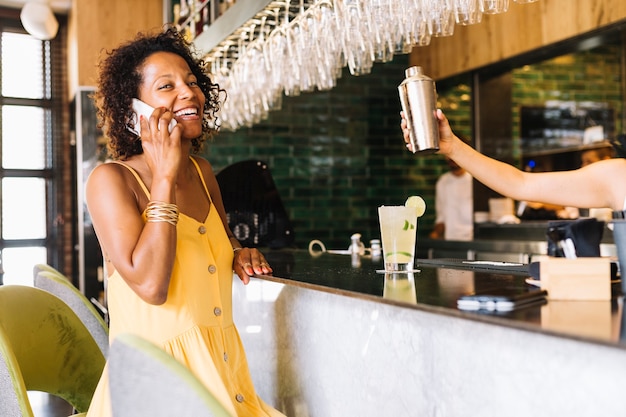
<point x="119" y="80"/>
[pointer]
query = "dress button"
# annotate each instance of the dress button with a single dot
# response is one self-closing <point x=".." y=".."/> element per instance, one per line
<point x="225" y="357"/>
<point x="239" y="398"/>
<point x="212" y="269"/>
<point x="217" y="311"/>
<point x="202" y="230"/>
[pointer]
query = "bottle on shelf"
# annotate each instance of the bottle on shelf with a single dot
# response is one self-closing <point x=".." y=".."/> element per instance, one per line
<point x="197" y="22"/>
<point x="183" y="12"/>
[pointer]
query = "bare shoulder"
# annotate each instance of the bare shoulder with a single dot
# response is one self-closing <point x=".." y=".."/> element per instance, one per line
<point x="203" y="163"/>
<point x="106" y="172"/>
<point x="110" y="173"/>
<point x="111" y="178"/>
<point x="205" y="166"/>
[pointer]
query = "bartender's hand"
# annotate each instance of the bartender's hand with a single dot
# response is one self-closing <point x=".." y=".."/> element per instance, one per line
<point x="248" y="262"/>
<point x="446" y="136"/>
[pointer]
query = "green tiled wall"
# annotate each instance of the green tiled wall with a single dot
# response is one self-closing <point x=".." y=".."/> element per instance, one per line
<point x="336" y="156"/>
<point x="592" y="75"/>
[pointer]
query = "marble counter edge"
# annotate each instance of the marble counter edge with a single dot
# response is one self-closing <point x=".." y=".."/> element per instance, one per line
<point x="445" y="311"/>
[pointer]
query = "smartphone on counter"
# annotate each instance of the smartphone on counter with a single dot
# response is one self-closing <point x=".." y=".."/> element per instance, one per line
<point x="145" y="110"/>
<point x="501" y="299"/>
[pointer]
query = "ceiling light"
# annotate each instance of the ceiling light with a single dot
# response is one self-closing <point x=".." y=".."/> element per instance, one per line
<point x="39" y="20"/>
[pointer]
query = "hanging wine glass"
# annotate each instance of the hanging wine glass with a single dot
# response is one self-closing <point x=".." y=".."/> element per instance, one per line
<point x="494" y="6"/>
<point x="467" y="12"/>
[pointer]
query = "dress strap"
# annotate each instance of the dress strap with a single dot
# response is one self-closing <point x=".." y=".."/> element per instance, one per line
<point x="145" y="189"/>
<point x="132" y="171"/>
<point x="206" y="189"/>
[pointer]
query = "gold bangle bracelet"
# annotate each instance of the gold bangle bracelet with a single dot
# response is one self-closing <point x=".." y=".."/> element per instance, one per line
<point x="159" y="211"/>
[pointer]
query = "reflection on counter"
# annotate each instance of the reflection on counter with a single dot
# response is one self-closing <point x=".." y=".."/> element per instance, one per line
<point x="438" y="285"/>
<point x="400" y="286"/>
<point x="591" y="319"/>
<point x="452" y="282"/>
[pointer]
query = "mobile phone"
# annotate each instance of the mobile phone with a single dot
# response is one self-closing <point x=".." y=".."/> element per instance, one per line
<point x="498" y="299"/>
<point x="146" y="110"/>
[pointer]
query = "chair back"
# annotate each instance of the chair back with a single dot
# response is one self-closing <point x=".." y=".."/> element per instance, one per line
<point x="13" y="398"/>
<point x="45" y="267"/>
<point x="254" y="209"/>
<point x="44" y="347"/>
<point x="57" y="284"/>
<point x="147" y="381"/>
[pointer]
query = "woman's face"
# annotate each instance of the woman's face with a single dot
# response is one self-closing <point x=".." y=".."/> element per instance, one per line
<point x="168" y="82"/>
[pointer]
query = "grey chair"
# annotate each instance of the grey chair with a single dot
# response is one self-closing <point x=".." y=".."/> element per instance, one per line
<point x="47" y="278"/>
<point x="44" y="347"/>
<point x="147" y="381"/>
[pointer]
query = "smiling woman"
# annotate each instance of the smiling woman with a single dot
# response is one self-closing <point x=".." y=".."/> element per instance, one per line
<point x="158" y="213"/>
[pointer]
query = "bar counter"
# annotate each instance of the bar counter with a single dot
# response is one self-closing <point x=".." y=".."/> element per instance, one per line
<point x="328" y="335"/>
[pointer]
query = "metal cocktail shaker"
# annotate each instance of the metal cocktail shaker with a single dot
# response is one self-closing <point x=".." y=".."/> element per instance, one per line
<point x="418" y="97"/>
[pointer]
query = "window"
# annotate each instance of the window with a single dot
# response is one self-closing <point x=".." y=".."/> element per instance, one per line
<point x="27" y="174"/>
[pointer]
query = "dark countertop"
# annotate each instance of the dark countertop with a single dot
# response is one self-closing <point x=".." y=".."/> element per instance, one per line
<point x="439" y="283"/>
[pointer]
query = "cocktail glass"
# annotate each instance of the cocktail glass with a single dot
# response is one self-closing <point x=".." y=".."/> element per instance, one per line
<point x="398" y="229"/>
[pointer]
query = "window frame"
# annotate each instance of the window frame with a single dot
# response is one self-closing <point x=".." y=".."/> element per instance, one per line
<point x="58" y="206"/>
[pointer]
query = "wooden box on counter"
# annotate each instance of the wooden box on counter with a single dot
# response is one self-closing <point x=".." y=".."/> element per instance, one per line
<point x="576" y="279"/>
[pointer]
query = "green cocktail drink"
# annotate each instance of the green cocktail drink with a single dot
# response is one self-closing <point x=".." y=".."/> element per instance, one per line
<point x="398" y="229"/>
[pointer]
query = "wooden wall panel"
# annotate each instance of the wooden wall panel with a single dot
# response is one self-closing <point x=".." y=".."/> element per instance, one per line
<point x="96" y="26"/>
<point x="523" y="28"/>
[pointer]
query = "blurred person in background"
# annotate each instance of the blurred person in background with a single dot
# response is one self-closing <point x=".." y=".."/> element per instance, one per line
<point x="594" y="155"/>
<point x="454" y="205"/>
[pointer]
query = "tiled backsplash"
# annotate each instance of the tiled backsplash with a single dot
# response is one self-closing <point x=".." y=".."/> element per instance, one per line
<point x="336" y="156"/>
<point x="585" y="77"/>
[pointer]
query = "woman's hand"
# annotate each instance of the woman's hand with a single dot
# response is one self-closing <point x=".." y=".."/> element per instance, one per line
<point x="248" y="262"/>
<point x="446" y="137"/>
<point x="162" y="148"/>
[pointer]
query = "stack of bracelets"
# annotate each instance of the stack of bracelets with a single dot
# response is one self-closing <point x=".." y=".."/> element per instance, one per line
<point x="158" y="211"/>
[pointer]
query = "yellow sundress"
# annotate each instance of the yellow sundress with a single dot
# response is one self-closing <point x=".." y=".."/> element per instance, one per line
<point x="195" y="324"/>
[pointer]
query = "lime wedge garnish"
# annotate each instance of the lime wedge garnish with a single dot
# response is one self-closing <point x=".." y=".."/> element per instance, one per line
<point x="388" y="254"/>
<point x="418" y="203"/>
<point x="408" y="225"/>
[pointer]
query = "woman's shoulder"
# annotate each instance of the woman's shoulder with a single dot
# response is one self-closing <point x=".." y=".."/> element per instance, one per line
<point x="204" y="165"/>
<point x="110" y="173"/>
<point x="107" y="169"/>
<point x="200" y="160"/>
<point x="111" y="167"/>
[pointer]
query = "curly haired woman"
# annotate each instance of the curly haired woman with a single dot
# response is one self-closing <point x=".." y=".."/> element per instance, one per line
<point x="159" y="217"/>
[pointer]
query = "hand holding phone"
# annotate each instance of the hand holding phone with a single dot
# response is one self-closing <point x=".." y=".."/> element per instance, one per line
<point x="145" y="110"/>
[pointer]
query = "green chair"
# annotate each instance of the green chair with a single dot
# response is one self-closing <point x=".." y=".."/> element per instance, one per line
<point x="44" y="347"/>
<point x="57" y="284"/>
<point x="147" y="381"/>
